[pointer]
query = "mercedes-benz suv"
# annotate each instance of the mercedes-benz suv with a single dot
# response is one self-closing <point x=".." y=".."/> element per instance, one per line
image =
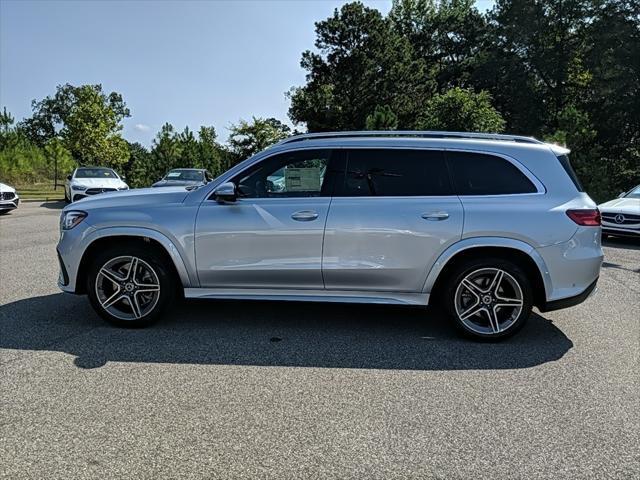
<point x="486" y="226"/>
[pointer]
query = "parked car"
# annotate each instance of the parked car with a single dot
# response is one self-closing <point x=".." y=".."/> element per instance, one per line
<point x="485" y="225"/>
<point x="87" y="181"/>
<point x="184" y="177"/>
<point x="9" y="199"/>
<point x="621" y="217"/>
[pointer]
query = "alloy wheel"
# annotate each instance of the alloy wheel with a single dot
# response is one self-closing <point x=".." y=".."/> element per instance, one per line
<point x="127" y="287"/>
<point x="488" y="301"/>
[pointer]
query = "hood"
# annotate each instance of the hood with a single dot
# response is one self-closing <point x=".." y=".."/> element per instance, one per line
<point x="6" y="188"/>
<point x="622" y="205"/>
<point x="131" y="198"/>
<point x="176" y="183"/>
<point x="99" y="182"/>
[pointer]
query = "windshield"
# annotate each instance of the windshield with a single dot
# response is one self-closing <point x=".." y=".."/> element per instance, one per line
<point x="189" y="175"/>
<point x="634" y="193"/>
<point x="95" y="173"/>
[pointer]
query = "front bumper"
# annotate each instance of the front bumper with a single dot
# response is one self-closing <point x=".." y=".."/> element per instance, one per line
<point x="10" y="204"/>
<point x="623" y="232"/>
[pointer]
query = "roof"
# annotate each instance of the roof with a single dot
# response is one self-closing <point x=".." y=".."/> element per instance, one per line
<point x="416" y="135"/>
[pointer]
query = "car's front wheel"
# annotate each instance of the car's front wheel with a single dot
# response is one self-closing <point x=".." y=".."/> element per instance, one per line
<point x="489" y="299"/>
<point x="130" y="286"/>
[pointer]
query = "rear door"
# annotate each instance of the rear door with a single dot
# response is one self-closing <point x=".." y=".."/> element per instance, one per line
<point x="393" y="212"/>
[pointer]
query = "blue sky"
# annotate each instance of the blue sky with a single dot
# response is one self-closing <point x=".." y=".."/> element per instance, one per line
<point x="186" y="62"/>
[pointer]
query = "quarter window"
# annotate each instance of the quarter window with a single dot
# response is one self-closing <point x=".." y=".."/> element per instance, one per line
<point x="480" y="174"/>
<point x="302" y="173"/>
<point x="395" y="172"/>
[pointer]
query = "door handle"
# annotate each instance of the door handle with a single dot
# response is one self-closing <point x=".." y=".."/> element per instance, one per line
<point x="304" y="215"/>
<point x="435" y="216"/>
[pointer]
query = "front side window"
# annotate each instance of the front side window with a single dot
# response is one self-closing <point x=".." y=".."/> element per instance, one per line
<point x="292" y="174"/>
<point x="482" y="174"/>
<point x="395" y="173"/>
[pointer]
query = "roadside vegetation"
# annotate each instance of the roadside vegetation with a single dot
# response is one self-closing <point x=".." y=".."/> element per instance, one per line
<point x="567" y="71"/>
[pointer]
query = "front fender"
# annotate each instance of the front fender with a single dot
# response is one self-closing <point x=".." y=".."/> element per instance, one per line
<point x="186" y="278"/>
<point x="470" y="243"/>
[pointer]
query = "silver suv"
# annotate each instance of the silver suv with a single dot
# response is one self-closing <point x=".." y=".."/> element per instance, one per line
<point x="487" y="226"/>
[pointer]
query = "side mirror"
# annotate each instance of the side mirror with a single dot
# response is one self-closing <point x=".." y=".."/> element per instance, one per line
<point x="226" y="192"/>
<point x="622" y="194"/>
<point x="68" y="177"/>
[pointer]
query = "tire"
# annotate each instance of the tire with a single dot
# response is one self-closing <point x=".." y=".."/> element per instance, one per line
<point x="470" y="296"/>
<point x="125" y="300"/>
<point x="66" y="197"/>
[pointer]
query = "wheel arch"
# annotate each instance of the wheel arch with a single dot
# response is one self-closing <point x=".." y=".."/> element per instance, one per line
<point x="515" y="250"/>
<point x="149" y="238"/>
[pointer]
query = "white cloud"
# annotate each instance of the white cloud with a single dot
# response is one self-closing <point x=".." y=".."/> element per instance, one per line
<point x="141" y="127"/>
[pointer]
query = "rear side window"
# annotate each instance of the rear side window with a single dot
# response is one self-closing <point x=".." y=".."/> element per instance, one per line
<point x="481" y="174"/>
<point x="566" y="164"/>
<point x="395" y="173"/>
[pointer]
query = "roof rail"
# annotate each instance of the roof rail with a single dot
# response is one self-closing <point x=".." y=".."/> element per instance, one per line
<point x="409" y="133"/>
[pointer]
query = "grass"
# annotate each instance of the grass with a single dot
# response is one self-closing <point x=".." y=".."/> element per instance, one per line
<point x="40" y="191"/>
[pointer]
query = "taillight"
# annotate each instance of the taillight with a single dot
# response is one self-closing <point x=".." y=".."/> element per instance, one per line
<point x="587" y="218"/>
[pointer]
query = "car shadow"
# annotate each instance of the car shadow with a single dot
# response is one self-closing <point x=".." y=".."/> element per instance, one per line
<point x="54" y="204"/>
<point x="273" y="334"/>
<point x="626" y="243"/>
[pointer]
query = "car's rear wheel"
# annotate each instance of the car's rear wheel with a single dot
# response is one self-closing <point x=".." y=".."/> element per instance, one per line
<point x="489" y="299"/>
<point x="130" y="286"/>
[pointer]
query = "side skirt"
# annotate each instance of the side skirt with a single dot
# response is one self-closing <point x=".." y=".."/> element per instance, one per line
<point x="341" y="296"/>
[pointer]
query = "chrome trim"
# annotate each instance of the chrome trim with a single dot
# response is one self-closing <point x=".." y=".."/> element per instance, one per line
<point x="340" y="296"/>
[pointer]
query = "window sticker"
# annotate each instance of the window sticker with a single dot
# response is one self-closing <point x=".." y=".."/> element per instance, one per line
<point x="302" y="179"/>
<point x="173" y="174"/>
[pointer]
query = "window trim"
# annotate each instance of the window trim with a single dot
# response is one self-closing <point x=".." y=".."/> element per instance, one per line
<point x="210" y="196"/>
<point x="345" y="148"/>
<point x="540" y="188"/>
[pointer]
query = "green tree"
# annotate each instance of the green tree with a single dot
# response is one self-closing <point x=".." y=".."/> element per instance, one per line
<point x="382" y="118"/>
<point x="209" y="151"/>
<point x="166" y="152"/>
<point x="463" y="111"/>
<point x="247" y="139"/>
<point x="86" y="119"/>
<point x="139" y="170"/>
<point x="58" y="159"/>
<point x="361" y="62"/>
<point x="446" y="35"/>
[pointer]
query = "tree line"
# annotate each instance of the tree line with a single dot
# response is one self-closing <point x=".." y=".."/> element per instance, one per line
<point x="567" y="71"/>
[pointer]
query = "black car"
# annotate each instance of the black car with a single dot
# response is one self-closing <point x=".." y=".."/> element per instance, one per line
<point x="183" y="177"/>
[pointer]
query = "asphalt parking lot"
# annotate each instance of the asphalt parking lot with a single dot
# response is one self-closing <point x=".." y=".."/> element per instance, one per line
<point x="276" y="390"/>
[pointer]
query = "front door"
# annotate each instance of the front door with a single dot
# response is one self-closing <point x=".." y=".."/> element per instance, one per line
<point x="271" y="237"/>
<point x="392" y="215"/>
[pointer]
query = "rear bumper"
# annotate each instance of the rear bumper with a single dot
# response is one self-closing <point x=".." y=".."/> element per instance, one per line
<point x="570" y="301"/>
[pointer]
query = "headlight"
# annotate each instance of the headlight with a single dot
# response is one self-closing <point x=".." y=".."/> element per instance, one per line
<point x="80" y="188"/>
<point x="71" y="218"/>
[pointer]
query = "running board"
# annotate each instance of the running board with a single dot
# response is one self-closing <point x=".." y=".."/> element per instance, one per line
<point x="342" y="296"/>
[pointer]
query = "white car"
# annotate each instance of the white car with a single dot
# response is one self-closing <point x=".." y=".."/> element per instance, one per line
<point x="86" y="181"/>
<point x="9" y="199"/>
<point x="622" y="215"/>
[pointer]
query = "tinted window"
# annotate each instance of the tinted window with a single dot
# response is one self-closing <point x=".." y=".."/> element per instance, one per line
<point x="479" y="174"/>
<point x="395" y="172"/>
<point x="566" y="164"/>
<point x="292" y="174"/>
<point x="95" y="173"/>
<point x="186" y="175"/>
